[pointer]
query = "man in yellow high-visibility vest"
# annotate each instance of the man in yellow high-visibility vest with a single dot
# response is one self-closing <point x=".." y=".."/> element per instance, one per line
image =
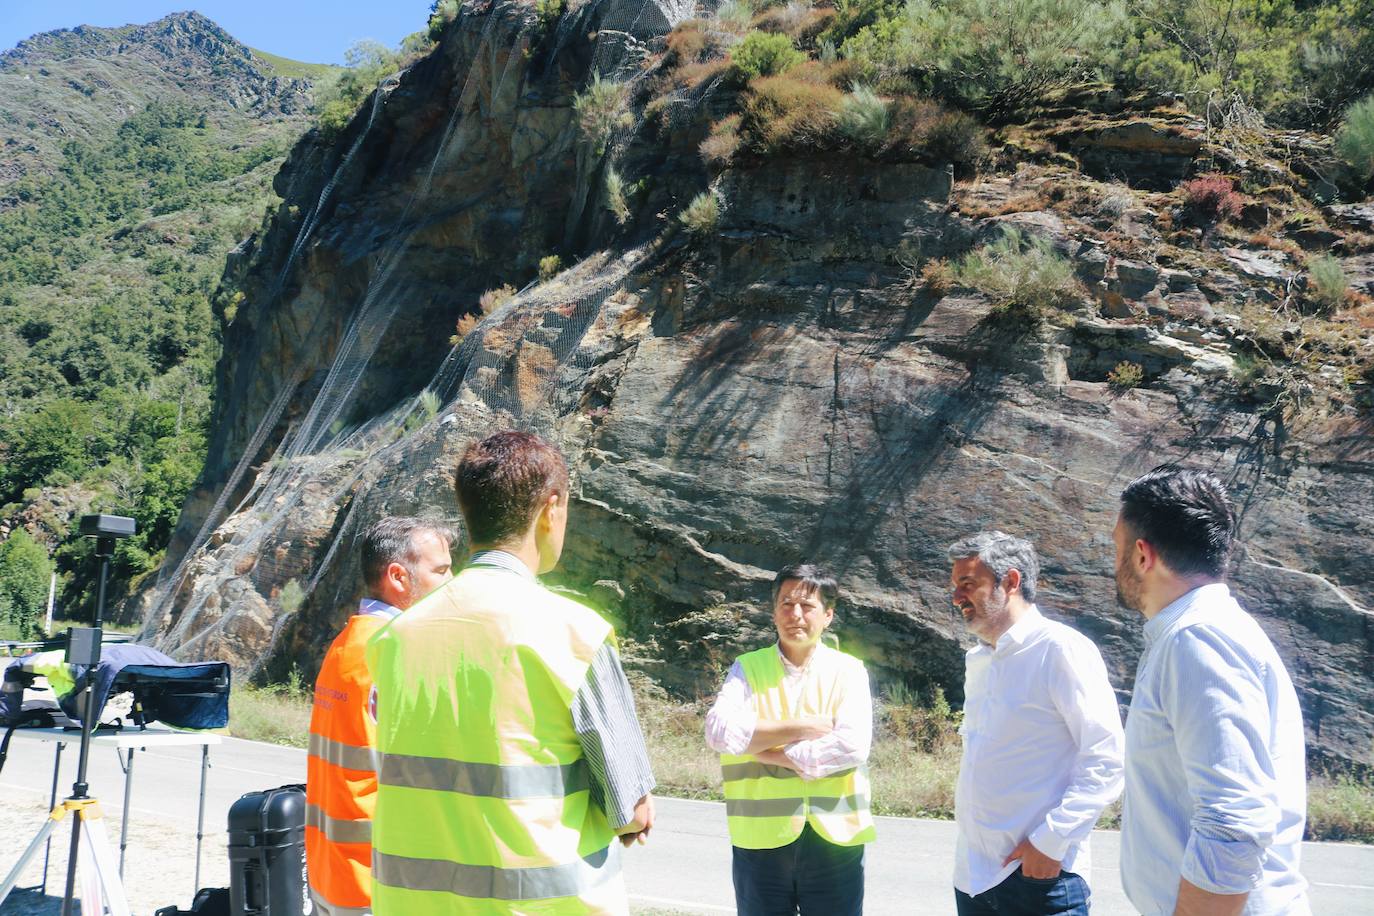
<point x="793" y="724"/>
<point x="510" y="755"/>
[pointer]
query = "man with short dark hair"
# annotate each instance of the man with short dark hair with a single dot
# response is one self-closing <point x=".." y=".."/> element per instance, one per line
<point x="1216" y="783"/>
<point x="403" y="560"/>
<point x="793" y="724"/>
<point x="511" y="758"/>
<point x="1042" y="740"/>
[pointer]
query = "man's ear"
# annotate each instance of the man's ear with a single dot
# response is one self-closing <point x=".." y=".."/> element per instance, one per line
<point x="1012" y="580"/>
<point x="544" y="521"/>
<point x="1145" y="556"/>
<point x="397" y="575"/>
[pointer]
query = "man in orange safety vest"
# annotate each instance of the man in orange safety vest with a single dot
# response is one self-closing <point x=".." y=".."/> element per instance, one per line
<point x="403" y="560"/>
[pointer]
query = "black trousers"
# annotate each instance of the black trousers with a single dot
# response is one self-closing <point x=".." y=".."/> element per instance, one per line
<point x="810" y="876"/>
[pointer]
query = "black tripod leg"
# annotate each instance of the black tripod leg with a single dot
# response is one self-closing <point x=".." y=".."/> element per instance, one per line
<point x="69" y="896"/>
<point x="52" y="803"/>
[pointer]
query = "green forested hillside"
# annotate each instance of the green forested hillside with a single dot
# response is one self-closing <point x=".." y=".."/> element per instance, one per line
<point x="110" y="250"/>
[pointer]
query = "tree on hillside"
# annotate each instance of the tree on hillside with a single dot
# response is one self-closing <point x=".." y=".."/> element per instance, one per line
<point x="25" y="570"/>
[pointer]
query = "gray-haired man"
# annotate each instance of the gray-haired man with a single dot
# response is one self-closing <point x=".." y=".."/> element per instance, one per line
<point x="1042" y="740"/>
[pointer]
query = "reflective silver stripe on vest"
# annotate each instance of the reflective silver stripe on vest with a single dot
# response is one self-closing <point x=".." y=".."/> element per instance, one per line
<point x="789" y="807"/>
<point x="752" y="769"/>
<point x="764" y="807"/>
<point x="489" y="780"/>
<point x="325" y="908"/>
<point x="338" y="829"/>
<point x="348" y="756"/>
<point x="490" y="882"/>
<point x="845" y="804"/>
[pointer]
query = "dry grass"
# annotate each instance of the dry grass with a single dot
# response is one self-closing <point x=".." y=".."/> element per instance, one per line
<point x="277" y="715"/>
<point x="1340" y="807"/>
<point x="914" y="765"/>
<point x="1025" y="202"/>
<point x="789" y="112"/>
<point x="722" y="143"/>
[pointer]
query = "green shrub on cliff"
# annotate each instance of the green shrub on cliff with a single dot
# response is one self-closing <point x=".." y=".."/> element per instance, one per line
<point x="1298" y="63"/>
<point x="615" y="197"/>
<point x="441" y="13"/>
<point x="702" y="215"/>
<point x="791" y="111"/>
<point x="863" y="117"/>
<point x="735" y="15"/>
<point x="1355" y="139"/>
<point x="602" y="108"/>
<point x="765" y="54"/>
<point x="1327" y="283"/>
<point x="1022" y="274"/>
<point x="993" y="55"/>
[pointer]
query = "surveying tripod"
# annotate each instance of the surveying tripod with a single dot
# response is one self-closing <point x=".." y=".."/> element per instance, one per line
<point x="101" y="889"/>
<point x="99" y="875"/>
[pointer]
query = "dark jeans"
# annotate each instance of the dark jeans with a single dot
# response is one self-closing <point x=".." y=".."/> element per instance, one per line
<point x="1021" y="896"/>
<point x="810" y="875"/>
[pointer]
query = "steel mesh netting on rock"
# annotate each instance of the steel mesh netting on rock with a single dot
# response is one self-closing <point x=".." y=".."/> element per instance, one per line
<point x="283" y="546"/>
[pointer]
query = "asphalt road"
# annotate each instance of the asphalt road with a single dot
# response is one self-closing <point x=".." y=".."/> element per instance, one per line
<point x="685" y="867"/>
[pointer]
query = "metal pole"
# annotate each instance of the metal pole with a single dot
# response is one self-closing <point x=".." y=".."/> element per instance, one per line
<point x="200" y="817"/>
<point x="104" y="549"/>
<point x="124" y="824"/>
<point x="52" y="598"/>
<point x="52" y="803"/>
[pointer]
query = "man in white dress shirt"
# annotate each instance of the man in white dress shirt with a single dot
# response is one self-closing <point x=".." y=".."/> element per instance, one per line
<point x="1042" y="741"/>
<point x="1216" y="783"/>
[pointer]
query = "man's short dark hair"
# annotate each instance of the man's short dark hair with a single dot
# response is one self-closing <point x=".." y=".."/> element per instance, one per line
<point x="504" y="480"/>
<point x="1185" y="515"/>
<point x="392" y="540"/>
<point x="813" y="578"/>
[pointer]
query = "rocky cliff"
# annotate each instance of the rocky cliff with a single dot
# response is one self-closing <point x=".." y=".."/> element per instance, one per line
<point x="782" y="384"/>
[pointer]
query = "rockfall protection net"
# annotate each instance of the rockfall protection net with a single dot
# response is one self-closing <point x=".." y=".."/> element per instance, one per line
<point x="251" y="566"/>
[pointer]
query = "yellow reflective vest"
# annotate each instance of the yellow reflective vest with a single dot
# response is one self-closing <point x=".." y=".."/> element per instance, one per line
<point x="768" y="806"/>
<point x="484" y="803"/>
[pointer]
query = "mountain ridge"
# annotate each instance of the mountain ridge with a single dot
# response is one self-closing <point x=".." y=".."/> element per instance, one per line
<point x="80" y="83"/>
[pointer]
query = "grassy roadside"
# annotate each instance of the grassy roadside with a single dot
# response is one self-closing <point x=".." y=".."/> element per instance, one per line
<point x="913" y="767"/>
<point x="279" y="714"/>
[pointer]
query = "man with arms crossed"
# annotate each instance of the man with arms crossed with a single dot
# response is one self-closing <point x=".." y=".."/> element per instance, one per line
<point x="1042" y="741"/>
<point x="793" y="725"/>
<point x="1216" y="782"/>
<point x="403" y="560"/>
<point x="511" y="758"/>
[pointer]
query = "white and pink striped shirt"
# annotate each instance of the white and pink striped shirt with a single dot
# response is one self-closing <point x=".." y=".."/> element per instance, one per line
<point x="730" y="723"/>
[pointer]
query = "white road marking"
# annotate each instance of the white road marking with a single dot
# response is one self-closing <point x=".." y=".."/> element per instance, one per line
<point x="668" y="901"/>
<point x="1349" y="887"/>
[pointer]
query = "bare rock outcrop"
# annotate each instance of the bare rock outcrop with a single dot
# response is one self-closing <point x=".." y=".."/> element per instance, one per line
<point x="783" y="387"/>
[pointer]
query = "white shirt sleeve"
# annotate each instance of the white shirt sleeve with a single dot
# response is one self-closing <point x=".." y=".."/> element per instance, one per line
<point x="1083" y="696"/>
<point x="848" y="745"/>
<point x="1221" y="722"/>
<point x="731" y="721"/>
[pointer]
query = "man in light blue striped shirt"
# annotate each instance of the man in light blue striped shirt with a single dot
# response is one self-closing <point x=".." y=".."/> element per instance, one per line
<point x="1216" y="788"/>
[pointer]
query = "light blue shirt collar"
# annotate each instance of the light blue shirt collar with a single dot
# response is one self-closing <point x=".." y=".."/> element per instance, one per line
<point x="1158" y="625"/>
<point x="500" y="559"/>
<point x="375" y="607"/>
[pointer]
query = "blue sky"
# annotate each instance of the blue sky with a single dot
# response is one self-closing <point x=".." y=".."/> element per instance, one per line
<point x="315" y="31"/>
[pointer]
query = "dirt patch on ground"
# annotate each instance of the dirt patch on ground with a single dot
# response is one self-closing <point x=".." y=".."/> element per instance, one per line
<point x="159" y="864"/>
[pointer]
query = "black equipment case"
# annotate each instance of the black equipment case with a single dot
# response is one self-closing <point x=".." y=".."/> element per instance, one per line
<point x="267" y="853"/>
<point x="210" y="901"/>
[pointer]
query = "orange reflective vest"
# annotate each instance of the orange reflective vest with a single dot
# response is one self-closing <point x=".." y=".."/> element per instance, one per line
<point x="341" y="776"/>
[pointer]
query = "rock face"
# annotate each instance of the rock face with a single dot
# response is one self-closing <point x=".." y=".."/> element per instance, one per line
<point x="779" y="389"/>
